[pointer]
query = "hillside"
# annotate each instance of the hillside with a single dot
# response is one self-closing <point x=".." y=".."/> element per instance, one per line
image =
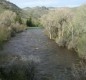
<point x="4" y="5"/>
<point x="36" y="11"/>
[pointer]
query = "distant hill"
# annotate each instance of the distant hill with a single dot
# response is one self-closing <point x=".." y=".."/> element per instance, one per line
<point x="36" y="12"/>
<point x="4" y="5"/>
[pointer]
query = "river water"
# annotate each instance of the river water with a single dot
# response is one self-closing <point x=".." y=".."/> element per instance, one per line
<point x="45" y="59"/>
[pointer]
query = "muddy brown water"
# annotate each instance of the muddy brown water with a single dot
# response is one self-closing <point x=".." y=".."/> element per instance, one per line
<point x="53" y="62"/>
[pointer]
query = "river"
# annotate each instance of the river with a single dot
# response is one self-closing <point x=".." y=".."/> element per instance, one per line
<point x="33" y="46"/>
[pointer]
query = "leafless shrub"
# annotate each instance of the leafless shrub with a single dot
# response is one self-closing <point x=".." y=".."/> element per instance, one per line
<point x="67" y="28"/>
<point x="8" y="25"/>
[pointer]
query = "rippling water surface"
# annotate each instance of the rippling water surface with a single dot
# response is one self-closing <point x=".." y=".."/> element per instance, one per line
<point x="31" y="55"/>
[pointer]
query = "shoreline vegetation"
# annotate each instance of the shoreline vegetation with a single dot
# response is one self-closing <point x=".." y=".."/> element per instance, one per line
<point x="67" y="26"/>
<point x="10" y="24"/>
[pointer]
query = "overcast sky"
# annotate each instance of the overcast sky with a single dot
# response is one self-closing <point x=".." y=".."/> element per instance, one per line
<point x="48" y="3"/>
